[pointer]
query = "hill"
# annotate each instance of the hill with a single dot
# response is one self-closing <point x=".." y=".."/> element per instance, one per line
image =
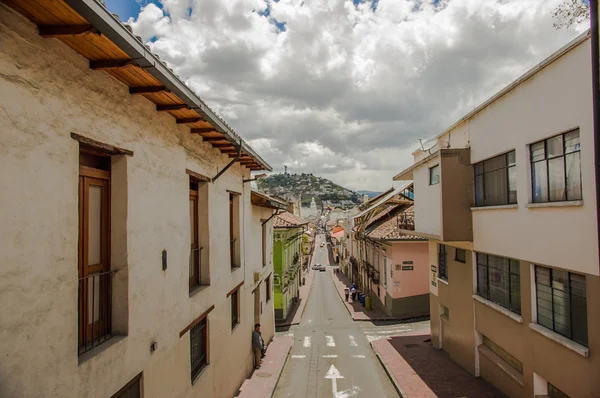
<point x="307" y="186"/>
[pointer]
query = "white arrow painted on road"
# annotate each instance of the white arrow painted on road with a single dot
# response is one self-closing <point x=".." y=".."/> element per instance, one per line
<point x="334" y="374"/>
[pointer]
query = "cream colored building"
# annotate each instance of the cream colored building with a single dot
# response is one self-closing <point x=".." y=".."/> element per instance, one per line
<point x="507" y="198"/>
<point x="135" y="258"/>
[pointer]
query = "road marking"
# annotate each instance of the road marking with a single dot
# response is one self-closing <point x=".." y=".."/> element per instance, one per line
<point x="353" y="342"/>
<point x="330" y="356"/>
<point x="333" y="374"/>
<point x="352" y="392"/>
<point x="358" y="356"/>
<point x="306" y="342"/>
<point x="330" y="341"/>
<point x="289" y="335"/>
<point x="406" y="329"/>
<point x="298" y="356"/>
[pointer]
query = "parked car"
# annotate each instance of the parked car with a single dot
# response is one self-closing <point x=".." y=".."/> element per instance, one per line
<point x="322" y="244"/>
<point x="322" y="269"/>
<point x="316" y="266"/>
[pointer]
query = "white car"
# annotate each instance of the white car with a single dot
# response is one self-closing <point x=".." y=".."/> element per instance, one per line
<point x="316" y="266"/>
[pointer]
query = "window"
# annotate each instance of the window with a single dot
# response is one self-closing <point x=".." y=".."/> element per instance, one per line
<point x="496" y="181"/>
<point x="198" y="347"/>
<point x="442" y="266"/>
<point x="460" y="255"/>
<point x="434" y="175"/>
<point x="194" y="276"/>
<point x="561" y="303"/>
<point x="131" y="389"/>
<point x="554" y="392"/>
<point x="95" y="277"/>
<point x="506" y="357"/>
<point x="264" y="244"/>
<point x="268" y="288"/>
<point x="499" y="280"/>
<point x="235" y="309"/>
<point x="234" y="226"/>
<point x="556" y="168"/>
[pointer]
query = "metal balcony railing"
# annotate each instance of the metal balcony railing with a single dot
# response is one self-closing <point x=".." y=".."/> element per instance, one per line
<point x="94" y="310"/>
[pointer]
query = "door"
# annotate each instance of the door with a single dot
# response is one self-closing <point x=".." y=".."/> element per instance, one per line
<point x="257" y="305"/>
<point x="94" y="256"/>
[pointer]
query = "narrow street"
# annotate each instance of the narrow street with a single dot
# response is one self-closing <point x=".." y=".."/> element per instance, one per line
<point x="328" y="336"/>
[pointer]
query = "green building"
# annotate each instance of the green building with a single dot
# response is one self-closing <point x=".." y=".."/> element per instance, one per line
<point x="287" y="262"/>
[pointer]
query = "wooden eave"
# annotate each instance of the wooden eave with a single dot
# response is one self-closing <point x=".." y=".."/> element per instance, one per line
<point x="58" y="19"/>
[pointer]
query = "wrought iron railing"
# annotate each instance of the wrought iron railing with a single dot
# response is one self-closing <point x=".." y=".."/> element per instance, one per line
<point x="94" y="310"/>
<point x="406" y="220"/>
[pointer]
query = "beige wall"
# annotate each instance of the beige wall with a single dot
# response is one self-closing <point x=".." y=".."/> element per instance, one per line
<point x="525" y="116"/>
<point x="48" y="92"/>
<point x="427" y="205"/>
<point x="410" y="283"/>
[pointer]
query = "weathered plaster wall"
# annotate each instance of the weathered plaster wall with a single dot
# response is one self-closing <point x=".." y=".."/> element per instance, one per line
<point x="48" y="92"/>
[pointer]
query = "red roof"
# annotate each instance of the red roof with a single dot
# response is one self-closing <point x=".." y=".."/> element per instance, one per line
<point x="288" y="220"/>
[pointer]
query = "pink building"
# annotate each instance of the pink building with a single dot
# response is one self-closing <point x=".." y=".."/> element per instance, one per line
<point x="393" y="264"/>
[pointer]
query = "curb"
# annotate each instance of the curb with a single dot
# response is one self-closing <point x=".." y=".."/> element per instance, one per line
<point x="389" y="373"/>
<point x="280" y="372"/>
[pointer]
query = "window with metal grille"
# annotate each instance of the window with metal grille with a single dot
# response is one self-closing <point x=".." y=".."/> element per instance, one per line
<point x="268" y="288"/>
<point x="496" y="181"/>
<point x="194" y="273"/>
<point x="499" y="280"/>
<point x="556" y="168"/>
<point x="198" y="348"/>
<point x="442" y="265"/>
<point x="235" y="309"/>
<point x="562" y="303"/>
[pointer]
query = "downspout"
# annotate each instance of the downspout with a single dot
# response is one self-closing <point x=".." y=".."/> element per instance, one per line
<point x="596" y="106"/>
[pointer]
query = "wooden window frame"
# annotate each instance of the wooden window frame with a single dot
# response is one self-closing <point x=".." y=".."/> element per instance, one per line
<point x="206" y="341"/>
<point x="264" y="243"/>
<point x="100" y="331"/>
<point x="235" y="304"/>
<point x="137" y="379"/>
<point x="194" y="280"/>
<point x="268" y="288"/>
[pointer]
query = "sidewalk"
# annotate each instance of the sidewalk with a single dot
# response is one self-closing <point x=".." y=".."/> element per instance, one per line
<point x="296" y="314"/>
<point x="420" y="371"/>
<point x="356" y="310"/>
<point x="262" y="382"/>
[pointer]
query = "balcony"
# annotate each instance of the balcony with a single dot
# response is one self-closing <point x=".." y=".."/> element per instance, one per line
<point x="443" y="191"/>
<point x="95" y="306"/>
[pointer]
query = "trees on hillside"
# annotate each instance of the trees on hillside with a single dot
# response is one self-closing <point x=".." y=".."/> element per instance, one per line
<point x="571" y="12"/>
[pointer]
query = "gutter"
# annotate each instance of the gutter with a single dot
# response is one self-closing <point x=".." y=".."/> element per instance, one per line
<point x="112" y="28"/>
<point x="596" y="107"/>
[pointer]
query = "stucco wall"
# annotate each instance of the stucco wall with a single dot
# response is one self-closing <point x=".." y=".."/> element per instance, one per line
<point x="427" y="206"/>
<point x="524" y="116"/>
<point x="48" y="92"/>
<point x="415" y="282"/>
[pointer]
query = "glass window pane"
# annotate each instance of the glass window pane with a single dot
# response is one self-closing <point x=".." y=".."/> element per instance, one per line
<point x="573" y="176"/>
<point x="542" y="275"/>
<point x="556" y="169"/>
<point x="537" y="151"/>
<point x="498" y="277"/>
<point x="434" y="175"/>
<point x="554" y="146"/>
<point x="479" y="198"/>
<point x="192" y="229"/>
<point x="482" y="259"/>
<point x="479" y="168"/>
<point x="572" y="141"/>
<point x="512" y="184"/>
<point x="496" y="185"/>
<point x="540" y="182"/>
<point x="515" y="267"/>
<point x="482" y="277"/>
<point x="579" y="319"/>
<point x="94" y="225"/>
<point x="493" y="164"/>
<point x="515" y="293"/>
<point x="193" y="256"/>
<point x="511" y="158"/>
<point x="560" y="280"/>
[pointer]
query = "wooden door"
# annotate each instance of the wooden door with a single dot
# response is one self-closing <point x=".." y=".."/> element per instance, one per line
<point x="257" y="305"/>
<point x="94" y="255"/>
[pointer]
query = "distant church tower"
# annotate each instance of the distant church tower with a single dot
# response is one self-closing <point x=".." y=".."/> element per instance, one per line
<point x="285" y="167"/>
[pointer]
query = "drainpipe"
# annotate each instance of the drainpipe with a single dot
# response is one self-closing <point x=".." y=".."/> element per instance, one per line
<point x="596" y="106"/>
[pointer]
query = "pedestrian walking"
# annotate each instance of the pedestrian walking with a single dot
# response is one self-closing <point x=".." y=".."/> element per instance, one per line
<point x="258" y="345"/>
<point x="346" y="293"/>
<point x="353" y="291"/>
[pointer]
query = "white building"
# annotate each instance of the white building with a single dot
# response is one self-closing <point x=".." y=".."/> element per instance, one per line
<point x="134" y="256"/>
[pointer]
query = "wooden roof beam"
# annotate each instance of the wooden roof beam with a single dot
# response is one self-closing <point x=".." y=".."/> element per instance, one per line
<point x="146" y="90"/>
<point x="108" y="64"/>
<point x="203" y="130"/>
<point x="173" y="107"/>
<point x="187" y="120"/>
<point x="213" y="139"/>
<point x="229" y="145"/>
<point x="49" y="31"/>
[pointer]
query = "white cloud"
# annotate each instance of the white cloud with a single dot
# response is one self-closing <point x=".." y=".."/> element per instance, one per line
<point x="346" y="92"/>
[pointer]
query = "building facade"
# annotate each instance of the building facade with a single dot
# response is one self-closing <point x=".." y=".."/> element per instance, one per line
<point x="133" y="258"/>
<point x="287" y="262"/>
<point x="507" y="198"/>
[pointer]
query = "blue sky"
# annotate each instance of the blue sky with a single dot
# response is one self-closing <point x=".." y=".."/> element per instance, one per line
<point x="128" y="8"/>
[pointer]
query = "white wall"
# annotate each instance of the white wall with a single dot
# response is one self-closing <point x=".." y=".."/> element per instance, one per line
<point x="553" y="101"/>
<point x="427" y="204"/>
<point x="48" y="91"/>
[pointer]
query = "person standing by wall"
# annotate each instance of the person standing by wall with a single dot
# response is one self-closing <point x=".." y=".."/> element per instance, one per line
<point x="258" y="345"/>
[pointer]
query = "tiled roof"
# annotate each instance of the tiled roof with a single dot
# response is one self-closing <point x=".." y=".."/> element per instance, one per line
<point x="288" y="220"/>
<point x="389" y="230"/>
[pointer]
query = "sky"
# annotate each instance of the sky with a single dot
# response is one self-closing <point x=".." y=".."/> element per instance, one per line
<point x="344" y="89"/>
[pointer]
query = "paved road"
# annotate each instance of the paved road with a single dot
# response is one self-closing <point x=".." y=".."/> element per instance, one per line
<point x="327" y="336"/>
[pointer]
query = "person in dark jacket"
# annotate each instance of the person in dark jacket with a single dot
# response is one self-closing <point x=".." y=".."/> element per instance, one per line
<point x="258" y="345"/>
